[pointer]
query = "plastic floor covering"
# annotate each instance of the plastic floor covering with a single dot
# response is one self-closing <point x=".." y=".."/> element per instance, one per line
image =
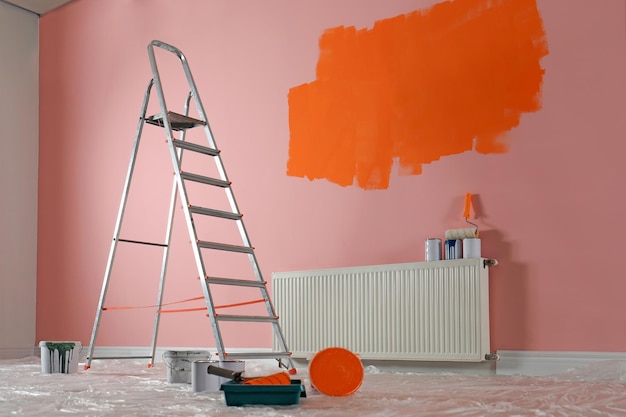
<point x="129" y="388"/>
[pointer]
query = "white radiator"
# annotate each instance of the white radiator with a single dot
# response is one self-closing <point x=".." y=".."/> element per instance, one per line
<point x="424" y="311"/>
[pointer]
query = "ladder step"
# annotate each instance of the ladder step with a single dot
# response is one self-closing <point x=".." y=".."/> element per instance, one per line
<point x="237" y="282"/>
<point x="195" y="148"/>
<point x="258" y="355"/>
<point x="205" y="180"/>
<point x="225" y="247"/>
<point x="215" y="213"/>
<point x="177" y="121"/>
<point x="266" y="319"/>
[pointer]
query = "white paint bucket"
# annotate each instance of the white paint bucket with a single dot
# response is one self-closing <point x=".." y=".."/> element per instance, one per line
<point x="471" y="248"/>
<point x="178" y="364"/>
<point x="59" y="357"/>
<point x="202" y="381"/>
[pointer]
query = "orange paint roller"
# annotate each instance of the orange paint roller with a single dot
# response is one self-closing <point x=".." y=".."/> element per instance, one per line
<point x="280" y="378"/>
<point x="468" y="232"/>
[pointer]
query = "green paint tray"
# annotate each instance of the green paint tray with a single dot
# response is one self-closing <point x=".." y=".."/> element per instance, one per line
<point x="243" y="394"/>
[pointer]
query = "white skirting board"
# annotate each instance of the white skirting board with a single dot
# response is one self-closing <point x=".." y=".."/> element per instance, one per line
<point x="18" y="353"/>
<point x="121" y="351"/>
<point x="511" y="362"/>
<point x="540" y="363"/>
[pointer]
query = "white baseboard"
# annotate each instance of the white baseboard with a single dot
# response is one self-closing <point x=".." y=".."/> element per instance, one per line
<point x="17" y="353"/>
<point x="137" y="351"/>
<point x="539" y="363"/>
<point x="511" y="362"/>
<point x="479" y="368"/>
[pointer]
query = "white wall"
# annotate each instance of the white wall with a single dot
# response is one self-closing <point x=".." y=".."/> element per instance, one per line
<point x="19" y="140"/>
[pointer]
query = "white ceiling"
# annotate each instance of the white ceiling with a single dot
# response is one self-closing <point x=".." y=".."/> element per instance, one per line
<point x="37" y="6"/>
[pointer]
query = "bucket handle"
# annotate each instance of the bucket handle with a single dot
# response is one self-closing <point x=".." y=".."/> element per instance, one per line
<point x="170" y="363"/>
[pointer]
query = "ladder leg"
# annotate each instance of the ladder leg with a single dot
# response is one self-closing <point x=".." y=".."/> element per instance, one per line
<point x="118" y="225"/>
<point x="166" y="249"/>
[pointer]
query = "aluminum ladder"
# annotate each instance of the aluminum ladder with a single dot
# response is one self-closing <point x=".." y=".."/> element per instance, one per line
<point x="174" y="122"/>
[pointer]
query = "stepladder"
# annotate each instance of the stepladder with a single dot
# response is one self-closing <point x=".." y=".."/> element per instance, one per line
<point x="233" y="293"/>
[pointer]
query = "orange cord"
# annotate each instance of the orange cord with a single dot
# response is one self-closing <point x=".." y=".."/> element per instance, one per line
<point x="152" y="306"/>
<point x="262" y="300"/>
<point x="185" y="309"/>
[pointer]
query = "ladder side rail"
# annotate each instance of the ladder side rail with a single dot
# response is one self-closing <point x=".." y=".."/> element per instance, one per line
<point x="181" y="187"/>
<point x="118" y="223"/>
<point x="168" y="239"/>
<point x="219" y="163"/>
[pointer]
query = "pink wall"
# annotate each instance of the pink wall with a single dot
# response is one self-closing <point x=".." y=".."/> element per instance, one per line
<point x="551" y="209"/>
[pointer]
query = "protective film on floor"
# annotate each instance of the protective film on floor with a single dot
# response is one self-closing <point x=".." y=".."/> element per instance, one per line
<point x="129" y="388"/>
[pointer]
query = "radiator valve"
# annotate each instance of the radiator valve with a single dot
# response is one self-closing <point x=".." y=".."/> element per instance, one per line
<point x="490" y="262"/>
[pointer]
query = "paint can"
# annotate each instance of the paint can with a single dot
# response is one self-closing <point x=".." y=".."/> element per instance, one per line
<point x="178" y="364"/>
<point x="203" y="381"/>
<point x="471" y="248"/>
<point x="454" y="248"/>
<point x="59" y="357"/>
<point x="433" y="249"/>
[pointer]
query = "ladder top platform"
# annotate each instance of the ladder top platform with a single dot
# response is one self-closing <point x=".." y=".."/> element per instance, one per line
<point x="177" y="121"/>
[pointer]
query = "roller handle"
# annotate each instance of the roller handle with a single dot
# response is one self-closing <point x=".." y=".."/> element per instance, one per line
<point x="226" y="373"/>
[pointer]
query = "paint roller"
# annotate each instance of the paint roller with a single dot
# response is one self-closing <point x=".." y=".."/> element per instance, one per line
<point x="279" y="378"/>
<point x="467" y="232"/>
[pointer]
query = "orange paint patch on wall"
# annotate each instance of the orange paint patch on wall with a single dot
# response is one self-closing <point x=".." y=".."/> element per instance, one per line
<point x="416" y="87"/>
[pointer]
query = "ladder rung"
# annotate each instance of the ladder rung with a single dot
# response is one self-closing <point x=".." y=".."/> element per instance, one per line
<point x="119" y="357"/>
<point x="224" y="246"/>
<point x="195" y="148"/>
<point x="163" y="245"/>
<point x="177" y="121"/>
<point x="215" y="213"/>
<point x="227" y="317"/>
<point x="204" y="180"/>
<point x="258" y="355"/>
<point x="239" y="282"/>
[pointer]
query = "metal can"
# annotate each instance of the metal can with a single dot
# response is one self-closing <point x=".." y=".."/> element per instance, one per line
<point x="453" y="249"/>
<point x="433" y="249"/>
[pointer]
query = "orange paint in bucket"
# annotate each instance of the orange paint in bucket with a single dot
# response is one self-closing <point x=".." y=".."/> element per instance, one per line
<point x="336" y="371"/>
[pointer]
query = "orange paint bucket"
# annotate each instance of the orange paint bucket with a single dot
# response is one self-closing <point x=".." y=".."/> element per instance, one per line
<point x="336" y="371"/>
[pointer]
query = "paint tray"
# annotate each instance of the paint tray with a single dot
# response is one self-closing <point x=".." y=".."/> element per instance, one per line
<point x="243" y="394"/>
